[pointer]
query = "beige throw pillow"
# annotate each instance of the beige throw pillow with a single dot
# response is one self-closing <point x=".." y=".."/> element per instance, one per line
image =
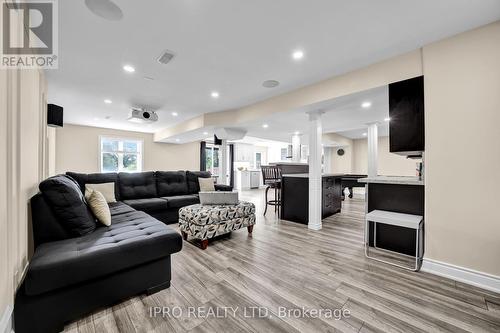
<point x="99" y="207"/>
<point x="206" y="184"/>
<point x="106" y="189"/>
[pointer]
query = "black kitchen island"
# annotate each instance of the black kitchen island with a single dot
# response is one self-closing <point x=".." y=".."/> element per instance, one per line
<point x="295" y="196"/>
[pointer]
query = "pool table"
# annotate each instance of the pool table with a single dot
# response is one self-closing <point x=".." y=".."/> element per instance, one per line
<point x="349" y="181"/>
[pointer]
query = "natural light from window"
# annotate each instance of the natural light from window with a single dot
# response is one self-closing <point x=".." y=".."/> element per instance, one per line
<point x="120" y="155"/>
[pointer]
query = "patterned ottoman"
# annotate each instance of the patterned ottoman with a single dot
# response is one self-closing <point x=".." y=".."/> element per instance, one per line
<point x="207" y="221"/>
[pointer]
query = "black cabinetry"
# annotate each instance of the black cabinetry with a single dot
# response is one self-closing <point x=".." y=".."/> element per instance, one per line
<point x="295" y="197"/>
<point x="406" y="110"/>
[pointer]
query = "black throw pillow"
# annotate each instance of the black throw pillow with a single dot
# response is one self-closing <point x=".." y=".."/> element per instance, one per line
<point x="68" y="203"/>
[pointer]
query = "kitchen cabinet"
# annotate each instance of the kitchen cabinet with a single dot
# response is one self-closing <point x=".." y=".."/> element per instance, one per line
<point x="247" y="179"/>
<point x="244" y="153"/>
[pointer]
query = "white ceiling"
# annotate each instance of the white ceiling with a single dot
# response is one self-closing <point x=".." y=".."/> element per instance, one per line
<point x="231" y="46"/>
<point x="343" y="115"/>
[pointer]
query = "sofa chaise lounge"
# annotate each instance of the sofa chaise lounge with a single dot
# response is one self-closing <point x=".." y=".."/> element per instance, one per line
<point x="70" y="276"/>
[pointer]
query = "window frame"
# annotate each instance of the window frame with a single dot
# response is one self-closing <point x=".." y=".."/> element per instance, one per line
<point x="140" y="153"/>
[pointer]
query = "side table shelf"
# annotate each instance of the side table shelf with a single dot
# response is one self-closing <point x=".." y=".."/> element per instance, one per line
<point x="396" y="219"/>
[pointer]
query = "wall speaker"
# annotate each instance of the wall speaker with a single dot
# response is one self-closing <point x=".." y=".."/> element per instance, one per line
<point x="54" y="115"/>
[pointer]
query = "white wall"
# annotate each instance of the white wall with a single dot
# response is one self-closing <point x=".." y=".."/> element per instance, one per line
<point x="263" y="154"/>
<point x="274" y="153"/>
<point x="77" y="149"/>
<point x="389" y="164"/>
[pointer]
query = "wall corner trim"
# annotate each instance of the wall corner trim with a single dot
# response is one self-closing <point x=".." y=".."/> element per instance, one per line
<point x="462" y="274"/>
<point x="6" y="320"/>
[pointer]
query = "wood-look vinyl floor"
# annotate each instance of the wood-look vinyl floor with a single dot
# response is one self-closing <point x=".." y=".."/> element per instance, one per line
<point x="286" y="265"/>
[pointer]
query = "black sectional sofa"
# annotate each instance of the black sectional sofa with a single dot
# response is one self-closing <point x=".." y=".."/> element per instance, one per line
<point x="71" y="274"/>
<point x="159" y="193"/>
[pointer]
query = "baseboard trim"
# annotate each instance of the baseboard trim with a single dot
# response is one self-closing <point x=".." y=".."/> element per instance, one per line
<point x="462" y="274"/>
<point x="6" y="321"/>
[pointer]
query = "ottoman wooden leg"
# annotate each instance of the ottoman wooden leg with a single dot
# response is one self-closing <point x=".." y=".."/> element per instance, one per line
<point x="204" y="244"/>
<point x="184" y="235"/>
<point x="250" y="229"/>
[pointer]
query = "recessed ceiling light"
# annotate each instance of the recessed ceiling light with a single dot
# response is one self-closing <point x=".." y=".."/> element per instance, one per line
<point x="270" y="84"/>
<point x="366" y="105"/>
<point x="298" y="54"/>
<point x="296" y="133"/>
<point x="128" y="68"/>
<point x="205" y="133"/>
<point x="214" y="94"/>
<point x="387" y="119"/>
<point x="364" y="134"/>
<point x="177" y="140"/>
<point x="265" y="125"/>
<point x="108" y="101"/>
<point x="175" y="114"/>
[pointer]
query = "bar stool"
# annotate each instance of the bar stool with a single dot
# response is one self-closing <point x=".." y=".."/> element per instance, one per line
<point x="271" y="176"/>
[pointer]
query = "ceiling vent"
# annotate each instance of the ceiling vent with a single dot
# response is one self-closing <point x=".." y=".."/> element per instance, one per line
<point x="166" y="57"/>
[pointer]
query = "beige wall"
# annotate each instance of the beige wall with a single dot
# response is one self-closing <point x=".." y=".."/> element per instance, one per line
<point x="344" y="163"/>
<point x="6" y="285"/>
<point x="22" y="128"/>
<point x="389" y="164"/>
<point x="462" y="109"/>
<point x="22" y="166"/>
<point x="77" y="149"/>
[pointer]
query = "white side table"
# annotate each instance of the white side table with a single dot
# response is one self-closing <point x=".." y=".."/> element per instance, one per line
<point x="397" y="219"/>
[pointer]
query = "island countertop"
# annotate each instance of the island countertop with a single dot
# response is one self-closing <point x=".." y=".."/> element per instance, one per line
<point x="392" y="180"/>
<point x="306" y="175"/>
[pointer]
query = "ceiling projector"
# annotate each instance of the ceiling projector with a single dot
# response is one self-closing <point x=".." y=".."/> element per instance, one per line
<point x="142" y="116"/>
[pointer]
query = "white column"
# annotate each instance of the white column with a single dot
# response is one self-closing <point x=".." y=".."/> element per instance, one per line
<point x="372" y="150"/>
<point x="315" y="133"/>
<point x="296" y="148"/>
<point x="223" y="163"/>
<point x="328" y="159"/>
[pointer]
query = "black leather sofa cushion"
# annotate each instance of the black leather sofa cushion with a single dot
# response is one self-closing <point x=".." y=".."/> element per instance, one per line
<point x="132" y="239"/>
<point x="148" y="205"/>
<point x="46" y="227"/>
<point x="169" y="183"/>
<point x="139" y="185"/>
<point x="117" y="208"/>
<point x="192" y="180"/>
<point x="179" y="201"/>
<point x="68" y="203"/>
<point x="223" y="188"/>
<point x="96" y="178"/>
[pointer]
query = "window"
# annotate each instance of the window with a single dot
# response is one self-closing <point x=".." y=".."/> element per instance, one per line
<point x="120" y="155"/>
<point x="284" y="153"/>
<point x="212" y="159"/>
<point x="258" y="160"/>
